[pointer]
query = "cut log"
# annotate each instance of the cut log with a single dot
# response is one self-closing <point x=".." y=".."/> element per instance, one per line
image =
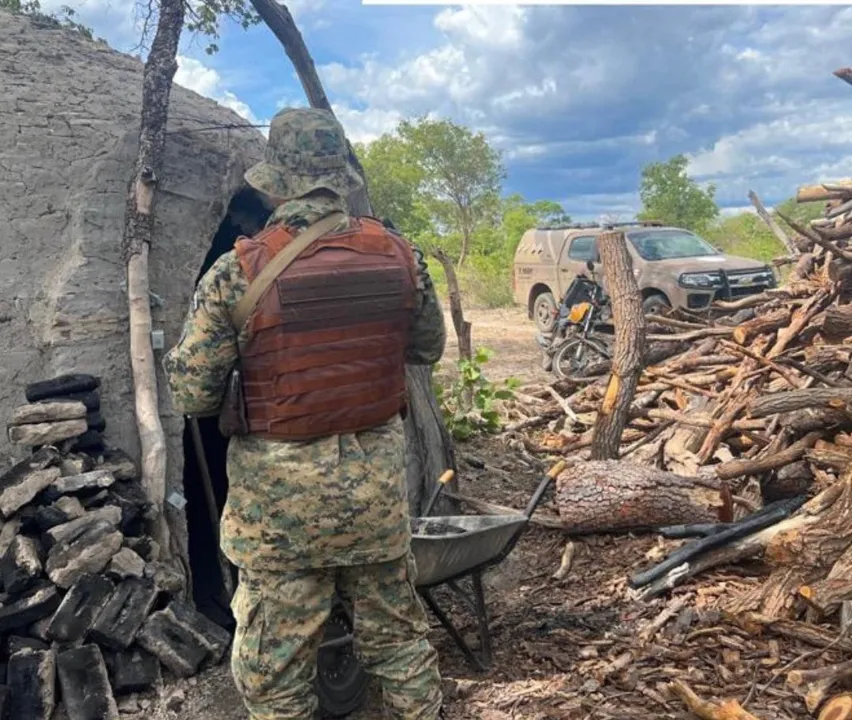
<point x="729" y="710"/>
<point x="840" y="707"/>
<point x="629" y="350"/>
<point x="84" y="682"/>
<point x="828" y="594"/>
<point x="32" y="682"/>
<point x="789" y="481"/>
<point x="815" y="685"/>
<point x="19" y="487"/>
<point x="769" y="322"/>
<point x="820" y="193"/>
<point x="836" y="398"/>
<point x="837" y="324"/>
<point x="610" y="495"/>
<point x="738" y="468"/>
<point x="48" y="412"/>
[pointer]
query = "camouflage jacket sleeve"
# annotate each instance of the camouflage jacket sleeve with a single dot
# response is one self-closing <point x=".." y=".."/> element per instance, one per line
<point x="429" y="334"/>
<point x="197" y="367"/>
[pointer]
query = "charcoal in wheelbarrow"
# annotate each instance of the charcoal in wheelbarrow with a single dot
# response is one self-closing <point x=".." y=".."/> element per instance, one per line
<point x="424" y="526"/>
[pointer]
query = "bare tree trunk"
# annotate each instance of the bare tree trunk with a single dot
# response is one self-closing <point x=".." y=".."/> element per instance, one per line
<point x="776" y="229"/>
<point x="628" y="356"/>
<point x="429" y="447"/>
<point x="156" y="88"/>
<point x="461" y="325"/>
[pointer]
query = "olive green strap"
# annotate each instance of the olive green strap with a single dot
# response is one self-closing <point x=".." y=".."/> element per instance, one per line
<point x="278" y="264"/>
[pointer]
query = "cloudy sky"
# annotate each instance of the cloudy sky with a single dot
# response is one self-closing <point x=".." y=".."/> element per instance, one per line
<point x="578" y="98"/>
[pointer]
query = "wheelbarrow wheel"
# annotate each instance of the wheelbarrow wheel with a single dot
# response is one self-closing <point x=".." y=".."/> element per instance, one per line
<point x="341" y="683"/>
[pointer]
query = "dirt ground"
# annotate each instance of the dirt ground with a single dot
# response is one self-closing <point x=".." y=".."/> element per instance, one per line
<point x="579" y="648"/>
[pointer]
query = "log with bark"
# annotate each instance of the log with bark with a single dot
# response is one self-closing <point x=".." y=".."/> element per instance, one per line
<point x="628" y="354"/>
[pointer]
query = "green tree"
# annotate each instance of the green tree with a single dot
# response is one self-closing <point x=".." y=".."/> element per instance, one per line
<point x="669" y="195"/>
<point x="65" y="18"/>
<point x="395" y="177"/>
<point x="461" y="176"/>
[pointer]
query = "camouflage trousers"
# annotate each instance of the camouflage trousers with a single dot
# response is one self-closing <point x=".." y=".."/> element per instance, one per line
<point x="280" y="618"/>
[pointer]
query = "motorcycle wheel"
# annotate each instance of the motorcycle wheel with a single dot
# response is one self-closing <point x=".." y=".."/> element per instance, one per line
<point x="565" y="362"/>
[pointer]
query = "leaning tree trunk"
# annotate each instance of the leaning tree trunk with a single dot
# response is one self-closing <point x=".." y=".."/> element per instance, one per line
<point x="160" y="69"/>
<point x="627" y="361"/>
<point x="429" y="448"/>
<point x="461" y="325"/>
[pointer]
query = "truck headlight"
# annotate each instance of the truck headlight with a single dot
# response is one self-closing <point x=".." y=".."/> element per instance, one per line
<point x="698" y="280"/>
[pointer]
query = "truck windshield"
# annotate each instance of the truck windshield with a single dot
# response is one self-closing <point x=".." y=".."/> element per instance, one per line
<point x="659" y="244"/>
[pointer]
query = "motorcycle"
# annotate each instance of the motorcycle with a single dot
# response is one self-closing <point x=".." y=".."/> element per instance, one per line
<point x="582" y="335"/>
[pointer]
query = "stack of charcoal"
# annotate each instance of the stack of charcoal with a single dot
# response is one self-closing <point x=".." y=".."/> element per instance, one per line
<point x="88" y="611"/>
<point x="63" y="411"/>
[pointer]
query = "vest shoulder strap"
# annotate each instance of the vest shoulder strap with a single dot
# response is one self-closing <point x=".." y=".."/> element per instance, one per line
<point x="278" y="264"/>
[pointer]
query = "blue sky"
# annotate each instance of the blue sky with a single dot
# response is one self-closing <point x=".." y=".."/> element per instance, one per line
<point x="578" y="98"/>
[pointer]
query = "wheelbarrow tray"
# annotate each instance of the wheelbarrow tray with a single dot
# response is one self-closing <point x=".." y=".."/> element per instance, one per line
<point x="444" y="557"/>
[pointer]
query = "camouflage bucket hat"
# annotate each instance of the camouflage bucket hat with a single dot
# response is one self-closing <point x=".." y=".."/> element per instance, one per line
<point x="306" y="151"/>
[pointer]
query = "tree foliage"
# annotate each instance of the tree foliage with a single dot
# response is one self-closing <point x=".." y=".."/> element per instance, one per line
<point x="669" y="195"/>
<point x="460" y="176"/>
<point x="64" y="18"/>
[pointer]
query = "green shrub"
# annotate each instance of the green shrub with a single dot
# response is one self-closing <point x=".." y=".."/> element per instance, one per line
<point x="468" y="405"/>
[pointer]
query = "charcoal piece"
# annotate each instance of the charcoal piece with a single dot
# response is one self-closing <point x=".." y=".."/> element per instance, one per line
<point x="76" y="464"/>
<point x="136" y="508"/>
<point x="9" y="532"/>
<point x="89" y="441"/>
<point x="61" y="386"/>
<point x="125" y="612"/>
<point x="38" y="629"/>
<point x="125" y="564"/>
<point x="120" y="464"/>
<point x="22" y="564"/>
<point x="175" y="645"/>
<point x="166" y="578"/>
<point x="5" y="702"/>
<point x="23" y="481"/>
<point x="212" y="637"/>
<point x="46" y="433"/>
<point x="91" y="399"/>
<point x="35" y="604"/>
<point x="28" y="518"/>
<point x="83" y="679"/>
<point x="134" y="670"/>
<point x="16" y="643"/>
<point x="92" y="480"/>
<point x="68" y="532"/>
<point x="48" y="412"/>
<point x="78" y="610"/>
<point x="88" y="552"/>
<point x="64" y="510"/>
<point x="147" y="548"/>
<point x="96" y="422"/>
<point x="98" y="500"/>
<point x="31" y="678"/>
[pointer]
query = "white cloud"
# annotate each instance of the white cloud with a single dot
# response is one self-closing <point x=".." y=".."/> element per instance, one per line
<point x="366" y="125"/>
<point x="196" y="76"/>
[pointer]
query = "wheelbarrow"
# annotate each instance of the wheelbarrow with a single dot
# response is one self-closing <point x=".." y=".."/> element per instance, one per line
<point x="446" y="550"/>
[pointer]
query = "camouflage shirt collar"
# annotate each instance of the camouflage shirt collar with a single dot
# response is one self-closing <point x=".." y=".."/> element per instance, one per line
<point x="305" y="211"/>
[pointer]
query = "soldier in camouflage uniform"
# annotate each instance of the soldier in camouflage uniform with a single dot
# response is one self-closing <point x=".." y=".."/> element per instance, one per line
<point x="302" y="518"/>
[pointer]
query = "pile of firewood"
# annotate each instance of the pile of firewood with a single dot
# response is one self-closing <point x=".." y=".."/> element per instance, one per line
<point x="748" y="407"/>
<point x="88" y="611"/>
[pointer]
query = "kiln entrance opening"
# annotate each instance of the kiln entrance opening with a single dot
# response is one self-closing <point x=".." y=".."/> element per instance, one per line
<point x="246" y="215"/>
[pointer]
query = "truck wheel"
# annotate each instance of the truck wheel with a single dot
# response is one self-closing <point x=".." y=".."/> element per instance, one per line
<point x="655" y="305"/>
<point x="544" y="312"/>
<point x="341" y="682"/>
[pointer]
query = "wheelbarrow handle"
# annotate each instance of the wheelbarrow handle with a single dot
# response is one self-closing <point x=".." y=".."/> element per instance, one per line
<point x="548" y="478"/>
<point x="442" y="481"/>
